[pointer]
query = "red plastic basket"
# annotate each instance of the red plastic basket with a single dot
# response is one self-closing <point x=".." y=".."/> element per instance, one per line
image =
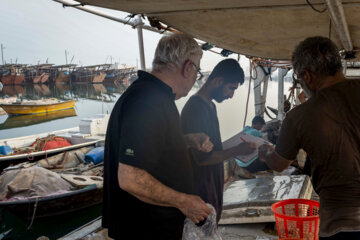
<point x="297" y="218"/>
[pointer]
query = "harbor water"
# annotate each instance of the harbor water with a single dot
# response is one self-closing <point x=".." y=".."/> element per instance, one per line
<point x="92" y="99"/>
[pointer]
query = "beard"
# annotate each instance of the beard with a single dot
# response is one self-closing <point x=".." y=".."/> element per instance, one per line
<point x="218" y="95"/>
<point x="307" y="91"/>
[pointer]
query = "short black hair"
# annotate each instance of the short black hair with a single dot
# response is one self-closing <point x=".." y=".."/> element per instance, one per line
<point x="230" y="70"/>
<point x="258" y="119"/>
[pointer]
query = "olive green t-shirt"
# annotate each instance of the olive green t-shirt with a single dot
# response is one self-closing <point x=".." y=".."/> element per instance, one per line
<point x="327" y="127"/>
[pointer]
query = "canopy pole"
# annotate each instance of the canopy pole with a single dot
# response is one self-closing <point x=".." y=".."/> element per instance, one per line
<point x="141" y="42"/>
<point x="261" y="80"/>
<point x="77" y="5"/>
<point x="281" y="74"/>
<point x="337" y="15"/>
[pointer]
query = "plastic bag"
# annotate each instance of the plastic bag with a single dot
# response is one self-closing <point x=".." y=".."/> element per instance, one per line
<point x="208" y="231"/>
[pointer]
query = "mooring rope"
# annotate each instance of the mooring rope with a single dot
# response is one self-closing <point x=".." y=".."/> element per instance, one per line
<point x="33" y="216"/>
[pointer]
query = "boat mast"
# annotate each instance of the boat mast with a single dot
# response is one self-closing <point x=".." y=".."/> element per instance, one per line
<point x="2" y="54"/>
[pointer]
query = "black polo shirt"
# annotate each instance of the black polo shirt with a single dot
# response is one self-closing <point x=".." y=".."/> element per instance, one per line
<point x="199" y="116"/>
<point x="144" y="131"/>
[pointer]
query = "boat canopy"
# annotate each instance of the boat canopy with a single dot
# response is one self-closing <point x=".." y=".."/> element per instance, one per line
<point x="260" y="28"/>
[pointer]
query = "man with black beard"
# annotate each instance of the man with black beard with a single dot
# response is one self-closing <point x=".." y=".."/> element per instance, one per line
<point x="199" y="115"/>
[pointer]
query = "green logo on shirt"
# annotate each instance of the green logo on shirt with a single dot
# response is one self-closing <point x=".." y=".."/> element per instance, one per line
<point x="129" y="152"/>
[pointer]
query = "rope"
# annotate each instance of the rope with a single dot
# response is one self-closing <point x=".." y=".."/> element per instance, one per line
<point x="270" y="63"/>
<point x="316" y="10"/>
<point x="30" y="157"/>
<point x="292" y="97"/>
<point x="33" y="216"/>
<point x="130" y="17"/>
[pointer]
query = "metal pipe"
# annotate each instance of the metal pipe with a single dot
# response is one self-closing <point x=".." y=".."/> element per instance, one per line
<point x="105" y="15"/>
<point x="337" y="15"/>
<point x="141" y="43"/>
<point x="281" y="74"/>
<point x="260" y="96"/>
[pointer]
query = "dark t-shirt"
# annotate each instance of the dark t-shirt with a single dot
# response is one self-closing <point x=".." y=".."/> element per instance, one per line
<point x="327" y="127"/>
<point x="144" y="132"/>
<point x="198" y="116"/>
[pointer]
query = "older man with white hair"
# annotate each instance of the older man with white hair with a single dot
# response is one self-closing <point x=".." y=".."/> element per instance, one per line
<point x="148" y="179"/>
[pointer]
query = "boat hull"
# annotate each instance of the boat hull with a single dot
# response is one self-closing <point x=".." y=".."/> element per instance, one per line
<point x="19" y="79"/>
<point x="99" y="78"/>
<point x="7" y="79"/>
<point x="13" y="79"/>
<point x="17" y="109"/>
<point x="55" y="205"/>
<point x="37" y="79"/>
<point x="62" y="78"/>
<point x="44" y="78"/>
<point x="88" y="78"/>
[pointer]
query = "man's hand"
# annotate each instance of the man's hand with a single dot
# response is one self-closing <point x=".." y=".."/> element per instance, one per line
<point x="194" y="208"/>
<point x="199" y="141"/>
<point x="264" y="151"/>
<point x="245" y="148"/>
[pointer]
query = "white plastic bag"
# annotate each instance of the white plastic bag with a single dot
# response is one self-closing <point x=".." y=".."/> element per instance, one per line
<point x="208" y="231"/>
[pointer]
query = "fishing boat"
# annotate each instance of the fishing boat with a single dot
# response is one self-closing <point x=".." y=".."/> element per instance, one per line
<point x="91" y="131"/>
<point x="6" y="100"/>
<point x="57" y="204"/>
<point x="13" y="74"/>
<point x="74" y="185"/>
<point x="118" y="73"/>
<point x="15" y="121"/>
<point x="90" y="74"/>
<point x="38" y="73"/>
<point x="61" y="73"/>
<point x="35" y="107"/>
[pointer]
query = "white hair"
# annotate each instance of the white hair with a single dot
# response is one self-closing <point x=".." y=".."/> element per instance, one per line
<point x="173" y="50"/>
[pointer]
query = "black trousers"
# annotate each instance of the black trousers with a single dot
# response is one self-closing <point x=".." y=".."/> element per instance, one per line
<point x="343" y="236"/>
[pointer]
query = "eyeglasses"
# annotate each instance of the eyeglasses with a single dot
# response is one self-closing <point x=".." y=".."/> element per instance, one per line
<point x="200" y="75"/>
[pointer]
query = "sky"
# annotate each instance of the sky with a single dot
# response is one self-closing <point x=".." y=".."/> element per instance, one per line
<point x="33" y="31"/>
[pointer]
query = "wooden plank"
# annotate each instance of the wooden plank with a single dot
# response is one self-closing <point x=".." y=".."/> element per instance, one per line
<point x="84" y="230"/>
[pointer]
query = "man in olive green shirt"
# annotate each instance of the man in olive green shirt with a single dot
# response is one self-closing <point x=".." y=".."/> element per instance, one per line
<point x="327" y="127"/>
